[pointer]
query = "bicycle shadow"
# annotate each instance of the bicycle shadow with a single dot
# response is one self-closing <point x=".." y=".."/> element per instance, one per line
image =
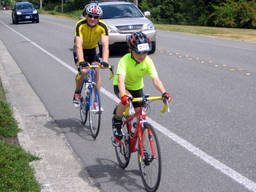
<point x="107" y="171"/>
<point x="70" y="125"/>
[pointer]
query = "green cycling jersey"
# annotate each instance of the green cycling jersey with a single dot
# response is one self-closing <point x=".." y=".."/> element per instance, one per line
<point x="134" y="72"/>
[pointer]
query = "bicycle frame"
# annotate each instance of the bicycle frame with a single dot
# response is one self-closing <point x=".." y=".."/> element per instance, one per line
<point x="141" y="119"/>
<point x="90" y="105"/>
<point x="90" y="78"/>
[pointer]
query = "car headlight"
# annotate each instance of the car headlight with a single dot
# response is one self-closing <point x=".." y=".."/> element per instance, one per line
<point x="112" y="29"/>
<point x="149" y="26"/>
<point x="35" y="11"/>
<point x="18" y="13"/>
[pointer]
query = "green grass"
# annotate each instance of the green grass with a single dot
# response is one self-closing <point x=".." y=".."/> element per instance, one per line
<point x="2" y="95"/>
<point x="248" y="35"/>
<point x="8" y="125"/>
<point x="15" y="173"/>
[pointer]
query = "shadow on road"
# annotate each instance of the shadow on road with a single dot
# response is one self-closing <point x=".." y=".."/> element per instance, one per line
<point x="106" y="171"/>
<point x="70" y="125"/>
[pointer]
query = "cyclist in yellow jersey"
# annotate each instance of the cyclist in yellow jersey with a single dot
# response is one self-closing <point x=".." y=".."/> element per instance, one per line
<point x="88" y="32"/>
<point x="128" y="80"/>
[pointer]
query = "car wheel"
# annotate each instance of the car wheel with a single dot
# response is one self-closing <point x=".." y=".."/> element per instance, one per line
<point x="37" y="21"/>
<point x="153" y="48"/>
<point x="14" y="21"/>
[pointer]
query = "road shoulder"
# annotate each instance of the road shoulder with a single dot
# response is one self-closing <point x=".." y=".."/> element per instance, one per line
<point x="59" y="168"/>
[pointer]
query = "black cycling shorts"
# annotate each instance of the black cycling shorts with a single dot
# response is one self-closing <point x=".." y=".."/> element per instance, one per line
<point x="134" y="93"/>
<point x="90" y="55"/>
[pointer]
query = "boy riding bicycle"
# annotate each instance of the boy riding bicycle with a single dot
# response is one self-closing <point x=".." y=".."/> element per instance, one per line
<point x="128" y="81"/>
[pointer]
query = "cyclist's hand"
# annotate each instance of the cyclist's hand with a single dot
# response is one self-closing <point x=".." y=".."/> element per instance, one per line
<point x="84" y="64"/>
<point x="167" y="96"/>
<point x="104" y="64"/>
<point x="124" y="100"/>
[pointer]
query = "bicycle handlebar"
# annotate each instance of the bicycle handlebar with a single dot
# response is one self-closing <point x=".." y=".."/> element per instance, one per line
<point x="139" y="99"/>
<point x="110" y="67"/>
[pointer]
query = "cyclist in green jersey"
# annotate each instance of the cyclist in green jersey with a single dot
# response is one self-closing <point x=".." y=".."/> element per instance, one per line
<point x="128" y="80"/>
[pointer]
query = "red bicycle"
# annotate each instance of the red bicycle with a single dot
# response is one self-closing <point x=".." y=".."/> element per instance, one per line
<point x="135" y="130"/>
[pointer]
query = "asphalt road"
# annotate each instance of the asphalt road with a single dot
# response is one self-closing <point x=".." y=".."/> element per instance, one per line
<point x="208" y="138"/>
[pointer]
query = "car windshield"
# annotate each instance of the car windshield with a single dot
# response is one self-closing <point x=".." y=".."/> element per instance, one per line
<point x="25" y="6"/>
<point x="120" y="11"/>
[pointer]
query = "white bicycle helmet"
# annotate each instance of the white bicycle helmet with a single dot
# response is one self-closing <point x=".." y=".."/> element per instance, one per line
<point x="93" y="9"/>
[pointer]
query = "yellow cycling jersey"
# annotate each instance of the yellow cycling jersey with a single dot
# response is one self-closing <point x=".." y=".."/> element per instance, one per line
<point x="90" y="35"/>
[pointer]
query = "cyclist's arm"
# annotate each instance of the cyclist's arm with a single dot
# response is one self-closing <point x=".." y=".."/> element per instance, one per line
<point x="105" y="48"/>
<point x="159" y="85"/>
<point x="79" y="48"/>
<point x="121" y="85"/>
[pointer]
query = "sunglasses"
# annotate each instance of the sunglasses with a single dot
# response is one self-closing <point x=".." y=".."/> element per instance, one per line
<point x="92" y="16"/>
<point x="143" y="52"/>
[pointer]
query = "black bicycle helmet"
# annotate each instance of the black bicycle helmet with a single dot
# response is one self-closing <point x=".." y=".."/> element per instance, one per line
<point x="139" y="43"/>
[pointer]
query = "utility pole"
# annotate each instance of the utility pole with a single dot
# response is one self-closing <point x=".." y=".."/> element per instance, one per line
<point x="136" y="2"/>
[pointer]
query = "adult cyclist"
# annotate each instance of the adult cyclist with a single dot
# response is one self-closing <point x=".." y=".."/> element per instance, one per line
<point x="88" y="32"/>
<point x="128" y="80"/>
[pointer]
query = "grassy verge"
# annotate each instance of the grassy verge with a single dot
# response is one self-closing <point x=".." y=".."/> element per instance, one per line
<point x="15" y="173"/>
<point x="247" y="35"/>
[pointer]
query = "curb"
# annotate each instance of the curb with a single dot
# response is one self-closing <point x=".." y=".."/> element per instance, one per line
<point x="58" y="169"/>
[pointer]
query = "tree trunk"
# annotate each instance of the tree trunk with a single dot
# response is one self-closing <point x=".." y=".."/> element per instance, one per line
<point x="41" y="4"/>
<point x="62" y="6"/>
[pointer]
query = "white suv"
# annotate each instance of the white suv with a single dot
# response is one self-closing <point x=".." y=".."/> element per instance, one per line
<point x="124" y="18"/>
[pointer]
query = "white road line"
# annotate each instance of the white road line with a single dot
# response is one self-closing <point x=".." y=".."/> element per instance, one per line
<point x="239" y="178"/>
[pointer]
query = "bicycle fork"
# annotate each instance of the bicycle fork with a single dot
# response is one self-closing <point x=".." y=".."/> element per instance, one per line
<point x="142" y="140"/>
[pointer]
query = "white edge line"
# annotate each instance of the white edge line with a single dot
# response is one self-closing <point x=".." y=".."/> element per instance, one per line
<point x="247" y="183"/>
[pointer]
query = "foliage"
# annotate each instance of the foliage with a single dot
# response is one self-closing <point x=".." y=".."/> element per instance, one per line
<point x="16" y="174"/>
<point x="8" y="126"/>
<point x="224" y="13"/>
<point x="231" y="13"/>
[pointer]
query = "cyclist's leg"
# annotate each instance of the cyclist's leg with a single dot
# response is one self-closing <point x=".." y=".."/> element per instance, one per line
<point x="81" y="73"/>
<point x="117" y="116"/>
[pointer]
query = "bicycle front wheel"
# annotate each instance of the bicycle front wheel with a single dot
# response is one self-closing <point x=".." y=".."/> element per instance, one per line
<point x="150" y="166"/>
<point x="94" y="112"/>
<point x="123" y="152"/>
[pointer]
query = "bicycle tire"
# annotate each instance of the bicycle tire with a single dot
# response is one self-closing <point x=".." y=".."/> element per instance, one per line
<point x="83" y="111"/>
<point x="123" y="152"/>
<point x="94" y="116"/>
<point x="150" y="170"/>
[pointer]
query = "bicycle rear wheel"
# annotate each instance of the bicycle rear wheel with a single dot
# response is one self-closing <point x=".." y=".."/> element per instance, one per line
<point x="151" y="166"/>
<point x="123" y="153"/>
<point x="94" y="112"/>
<point x="83" y="111"/>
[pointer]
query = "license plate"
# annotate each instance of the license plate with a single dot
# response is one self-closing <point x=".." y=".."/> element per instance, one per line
<point x="27" y="17"/>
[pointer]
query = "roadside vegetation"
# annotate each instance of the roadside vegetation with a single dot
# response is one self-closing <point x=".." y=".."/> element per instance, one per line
<point x="15" y="173"/>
